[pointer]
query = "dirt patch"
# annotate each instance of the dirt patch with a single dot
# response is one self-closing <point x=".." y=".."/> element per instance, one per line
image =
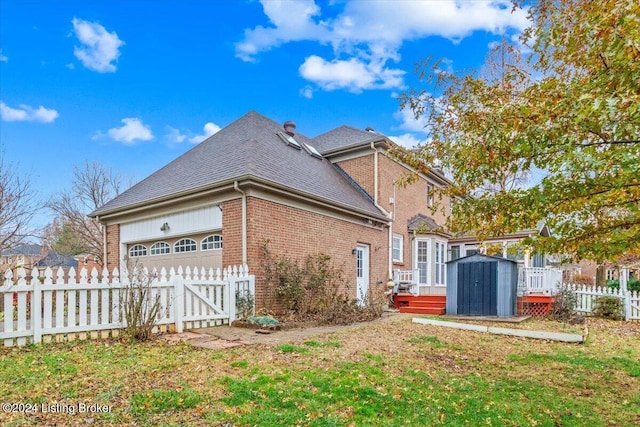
<point x="290" y="333"/>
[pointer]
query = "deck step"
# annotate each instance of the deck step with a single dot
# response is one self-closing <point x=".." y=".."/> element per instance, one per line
<point x="423" y="310"/>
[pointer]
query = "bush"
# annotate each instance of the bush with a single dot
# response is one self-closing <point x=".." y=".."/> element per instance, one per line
<point x="316" y="290"/>
<point x="140" y="305"/>
<point x="609" y="307"/>
<point x="563" y="307"/>
<point x="632" y="284"/>
<point x="615" y="284"/>
<point x="582" y="279"/>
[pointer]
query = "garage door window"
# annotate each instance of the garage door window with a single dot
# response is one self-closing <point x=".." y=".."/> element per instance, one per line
<point x="160" y="248"/>
<point x="138" y="251"/>
<point x="212" y="242"/>
<point x="185" y="245"/>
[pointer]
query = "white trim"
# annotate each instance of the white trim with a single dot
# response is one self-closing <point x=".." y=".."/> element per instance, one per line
<point x="213" y="242"/>
<point x="428" y="261"/>
<point x="362" y="282"/>
<point x="393" y="248"/>
<point x="443" y="260"/>
<point x="160" y="254"/>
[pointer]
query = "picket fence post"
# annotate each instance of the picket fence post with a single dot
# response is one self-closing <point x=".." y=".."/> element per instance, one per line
<point x="178" y="306"/>
<point x="36" y="305"/>
<point x="627" y="305"/>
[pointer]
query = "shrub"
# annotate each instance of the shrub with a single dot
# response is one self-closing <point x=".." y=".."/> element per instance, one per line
<point x="615" y="284"/>
<point x="632" y="284"/>
<point x="582" y="279"/>
<point x="609" y="307"/>
<point x="563" y="307"/>
<point x="140" y="305"/>
<point x="245" y="304"/>
<point x="316" y="290"/>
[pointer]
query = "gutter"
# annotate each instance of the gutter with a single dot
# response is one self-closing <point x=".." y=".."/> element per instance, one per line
<point x="387" y="214"/>
<point x="244" y="221"/>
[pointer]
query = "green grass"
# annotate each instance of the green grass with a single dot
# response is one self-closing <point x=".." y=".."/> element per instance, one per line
<point x="394" y="374"/>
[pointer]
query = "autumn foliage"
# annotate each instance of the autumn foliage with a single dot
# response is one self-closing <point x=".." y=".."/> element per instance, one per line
<point x="548" y="131"/>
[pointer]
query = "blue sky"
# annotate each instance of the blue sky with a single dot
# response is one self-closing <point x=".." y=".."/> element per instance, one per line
<point x="133" y="84"/>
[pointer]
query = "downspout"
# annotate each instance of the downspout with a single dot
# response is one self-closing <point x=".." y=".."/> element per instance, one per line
<point x="387" y="214"/>
<point x="244" y="222"/>
<point x="105" y="263"/>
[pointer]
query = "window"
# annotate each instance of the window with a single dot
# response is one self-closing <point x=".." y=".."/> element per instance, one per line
<point x="515" y="251"/>
<point x="455" y="252"/>
<point x="212" y="242"/>
<point x="440" y="263"/>
<point x="185" y="245"/>
<point x="312" y="150"/>
<point x="137" y="251"/>
<point x="397" y="248"/>
<point x="429" y="195"/>
<point x="422" y="261"/>
<point x="160" y="248"/>
<point x="290" y="140"/>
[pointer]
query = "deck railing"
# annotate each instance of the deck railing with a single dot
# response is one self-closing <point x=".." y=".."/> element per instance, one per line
<point x="539" y="280"/>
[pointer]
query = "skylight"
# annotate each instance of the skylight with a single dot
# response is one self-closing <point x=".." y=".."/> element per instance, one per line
<point x="312" y="150"/>
<point x="289" y="140"/>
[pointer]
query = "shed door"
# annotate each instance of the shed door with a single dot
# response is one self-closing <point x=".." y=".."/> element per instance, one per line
<point x="477" y="286"/>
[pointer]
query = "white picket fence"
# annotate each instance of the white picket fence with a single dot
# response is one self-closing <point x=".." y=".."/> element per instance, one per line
<point x="587" y="295"/>
<point x="60" y="308"/>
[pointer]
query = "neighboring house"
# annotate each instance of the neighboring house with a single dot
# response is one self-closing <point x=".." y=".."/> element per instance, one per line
<point x="257" y="181"/>
<point x="25" y="255"/>
<point x="507" y="246"/>
<point x="56" y="260"/>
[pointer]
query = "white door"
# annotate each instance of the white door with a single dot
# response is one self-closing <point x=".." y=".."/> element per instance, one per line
<point x="422" y="260"/>
<point x="362" y="273"/>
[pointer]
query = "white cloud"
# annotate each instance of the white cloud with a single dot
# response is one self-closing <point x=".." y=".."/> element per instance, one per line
<point x="175" y="136"/>
<point x="365" y="35"/>
<point x="132" y="131"/>
<point x="3" y="57"/>
<point x="353" y="74"/>
<point x="307" y="92"/>
<point x="25" y="113"/>
<point x="292" y="21"/>
<point x="209" y="129"/>
<point x="99" y="49"/>
<point x="407" y="140"/>
<point x="409" y="121"/>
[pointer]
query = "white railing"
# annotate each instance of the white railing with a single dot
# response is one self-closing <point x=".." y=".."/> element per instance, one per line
<point x="586" y="297"/>
<point x="538" y="280"/>
<point x="59" y="307"/>
<point x="407" y="280"/>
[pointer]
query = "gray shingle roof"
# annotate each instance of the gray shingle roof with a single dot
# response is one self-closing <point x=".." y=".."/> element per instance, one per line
<point x="422" y="222"/>
<point x="248" y="147"/>
<point x="344" y="136"/>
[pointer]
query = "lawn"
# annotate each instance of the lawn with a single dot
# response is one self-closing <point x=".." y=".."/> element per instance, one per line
<point x="387" y="374"/>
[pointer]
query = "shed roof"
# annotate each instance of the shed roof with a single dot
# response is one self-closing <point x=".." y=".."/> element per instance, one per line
<point x="247" y="148"/>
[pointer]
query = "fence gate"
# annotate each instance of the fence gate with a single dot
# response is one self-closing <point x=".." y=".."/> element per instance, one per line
<point x="477" y="288"/>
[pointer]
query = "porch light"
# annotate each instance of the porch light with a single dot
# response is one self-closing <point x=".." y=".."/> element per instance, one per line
<point x="353" y="251"/>
<point x="165" y="227"/>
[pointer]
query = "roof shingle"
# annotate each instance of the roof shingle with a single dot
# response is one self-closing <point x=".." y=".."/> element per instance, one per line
<point x="248" y="147"/>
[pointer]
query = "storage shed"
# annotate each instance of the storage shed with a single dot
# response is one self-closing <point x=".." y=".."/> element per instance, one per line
<point x="482" y="285"/>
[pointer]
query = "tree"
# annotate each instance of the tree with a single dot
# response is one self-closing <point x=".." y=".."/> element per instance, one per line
<point x="571" y="115"/>
<point x="17" y="206"/>
<point x="93" y="185"/>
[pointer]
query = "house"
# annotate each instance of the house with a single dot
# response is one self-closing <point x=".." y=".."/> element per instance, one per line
<point x="25" y="255"/>
<point x="257" y="180"/>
